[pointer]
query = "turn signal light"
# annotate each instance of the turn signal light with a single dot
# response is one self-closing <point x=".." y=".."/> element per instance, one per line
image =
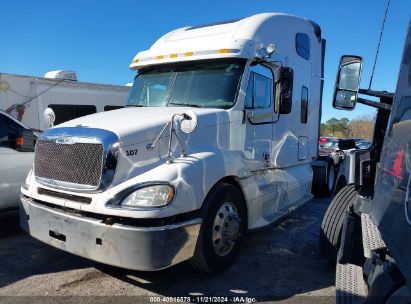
<point x="19" y="141"/>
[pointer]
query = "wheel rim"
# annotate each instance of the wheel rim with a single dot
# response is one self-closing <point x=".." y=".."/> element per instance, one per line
<point x="331" y="176"/>
<point x="226" y="229"/>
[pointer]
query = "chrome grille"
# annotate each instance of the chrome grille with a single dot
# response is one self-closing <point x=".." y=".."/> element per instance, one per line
<point x="77" y="163"/>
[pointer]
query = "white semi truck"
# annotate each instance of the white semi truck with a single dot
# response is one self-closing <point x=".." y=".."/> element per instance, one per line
<point x="219" y="136"/>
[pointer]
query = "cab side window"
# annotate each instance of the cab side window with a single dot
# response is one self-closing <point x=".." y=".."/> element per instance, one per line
<point x="258" y="92"/>
<point x="304" y="105"/>
<point x="262" y="92"/>
<point x="250" y="88"/>
<point x="7" y="127"/>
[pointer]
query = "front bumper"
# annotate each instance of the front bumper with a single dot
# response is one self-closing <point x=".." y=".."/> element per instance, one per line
<point x="137" y="248"/>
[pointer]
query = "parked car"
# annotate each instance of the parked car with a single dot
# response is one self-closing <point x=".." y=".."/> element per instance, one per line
<point x="328" y="146"/>
<point x="16" y="159"/>
<point x="363" y="144"/>
<point x="322" y="140"/>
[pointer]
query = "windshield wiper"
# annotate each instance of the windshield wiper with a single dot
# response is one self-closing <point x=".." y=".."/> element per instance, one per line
<point x="185" y="104"/>
<point x="135" y="105"/>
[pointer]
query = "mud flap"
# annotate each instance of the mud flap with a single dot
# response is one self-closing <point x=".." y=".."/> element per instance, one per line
<point x="351" y="240"/>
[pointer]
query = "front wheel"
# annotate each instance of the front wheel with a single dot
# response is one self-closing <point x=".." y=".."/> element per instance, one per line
<point x="223" y="227"/>
<point x="332" y="224"/>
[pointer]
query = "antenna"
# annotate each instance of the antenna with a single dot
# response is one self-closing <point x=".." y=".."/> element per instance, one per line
<point x="378" y="46"/>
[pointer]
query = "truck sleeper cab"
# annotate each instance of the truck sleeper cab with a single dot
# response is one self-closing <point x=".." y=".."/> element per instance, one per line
<point x="220" y="128"/>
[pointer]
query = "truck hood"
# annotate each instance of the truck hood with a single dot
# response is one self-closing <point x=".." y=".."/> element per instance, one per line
<point x="135" y="125"/>
<point x="138" y="127"/>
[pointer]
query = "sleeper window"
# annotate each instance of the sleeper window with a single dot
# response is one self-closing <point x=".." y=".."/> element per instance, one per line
<point x="304" y="105"/>
<point x="302" y="45"/>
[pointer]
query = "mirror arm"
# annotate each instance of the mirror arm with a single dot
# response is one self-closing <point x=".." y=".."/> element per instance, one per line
<point x="172" y="131"/>
<point x="380" y="94"/>
<point x="151" y="146"/>
<point x="258" y="61"/>
<point x="374" y="104"/>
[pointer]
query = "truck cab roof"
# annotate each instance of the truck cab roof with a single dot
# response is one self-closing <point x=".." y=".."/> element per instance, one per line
<point x="241" y="38"/>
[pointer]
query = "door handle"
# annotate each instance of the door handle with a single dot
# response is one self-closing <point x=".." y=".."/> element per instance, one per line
<point x="267" y="159"/>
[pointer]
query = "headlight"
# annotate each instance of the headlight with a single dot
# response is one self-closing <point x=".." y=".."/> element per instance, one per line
<point x="149" y="196"/>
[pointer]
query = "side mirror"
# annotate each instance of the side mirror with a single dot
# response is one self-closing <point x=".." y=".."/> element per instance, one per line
<point x="284" y="91"/>
<point x="49" y="117"/>
<point x="24" y="140"/>
<point x="347" y="83"/>
<point x="188" y="123"/>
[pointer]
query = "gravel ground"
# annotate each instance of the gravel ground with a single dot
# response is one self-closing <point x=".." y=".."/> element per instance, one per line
<point x="281" y="263"/>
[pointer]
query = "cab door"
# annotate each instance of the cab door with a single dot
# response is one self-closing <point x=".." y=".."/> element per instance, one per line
<point x="259" y="117"/>
<point x="259" y="122"/>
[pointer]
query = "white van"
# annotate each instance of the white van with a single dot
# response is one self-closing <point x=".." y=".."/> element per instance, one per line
<point x="26" y="97"/>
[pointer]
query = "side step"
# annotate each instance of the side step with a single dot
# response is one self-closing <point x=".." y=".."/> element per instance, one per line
<point x="371" y="237"/>
<point x="350" y="286"/>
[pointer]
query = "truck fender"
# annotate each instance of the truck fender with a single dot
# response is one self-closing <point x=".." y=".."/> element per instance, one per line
<point x="205" y="170"/>
<point x="193" y="177"/>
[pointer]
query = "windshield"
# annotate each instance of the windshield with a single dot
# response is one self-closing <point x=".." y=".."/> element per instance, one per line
<point x="206" y="84"/>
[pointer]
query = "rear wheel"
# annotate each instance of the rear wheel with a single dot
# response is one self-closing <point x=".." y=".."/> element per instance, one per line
<point x="331" y="227"/>
<point x="223" y="227"/>
<point x="326" y="188"/>
<point x="330" y="179"/>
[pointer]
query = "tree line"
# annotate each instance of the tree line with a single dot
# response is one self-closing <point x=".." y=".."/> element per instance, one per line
<point x="360" y="127"/>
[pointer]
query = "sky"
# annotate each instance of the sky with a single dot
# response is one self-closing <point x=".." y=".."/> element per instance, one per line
<point x="98" y="39"/>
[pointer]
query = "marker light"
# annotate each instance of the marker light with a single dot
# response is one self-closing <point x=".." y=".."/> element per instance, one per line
<point x="270" y="49"/>
<point x="186" y="54"/>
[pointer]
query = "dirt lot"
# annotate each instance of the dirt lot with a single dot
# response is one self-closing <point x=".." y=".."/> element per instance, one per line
<point x="281" y="263"/>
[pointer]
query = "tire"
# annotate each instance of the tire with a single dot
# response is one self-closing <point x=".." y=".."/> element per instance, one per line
<point x="340" y="184"/>
<point x="214" y="252"/>
<point x="331" y="226"/>
<point x="326" y="189"/>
